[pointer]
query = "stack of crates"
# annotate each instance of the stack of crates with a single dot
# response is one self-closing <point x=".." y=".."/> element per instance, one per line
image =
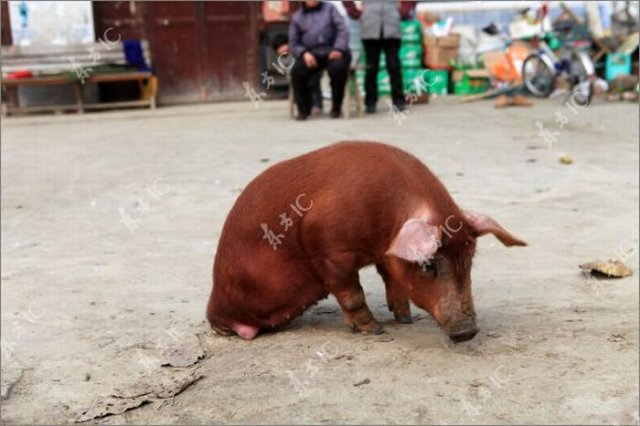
<point x="411" y="56"/>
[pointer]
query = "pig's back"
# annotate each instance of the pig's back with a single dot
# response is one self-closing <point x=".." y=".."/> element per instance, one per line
<point x="357" y="189"/>
<point x="347" y="166"/>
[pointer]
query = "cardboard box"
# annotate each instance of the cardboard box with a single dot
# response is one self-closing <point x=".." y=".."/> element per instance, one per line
<point x="429" y="41"/>
<point x="440" y="51"/>
<point x="458" y="75"/>
<point x="507" y="65"/>
<point x="440" y="57"/>
<point x="450" y="41"/>
<point x="490" y="59"/>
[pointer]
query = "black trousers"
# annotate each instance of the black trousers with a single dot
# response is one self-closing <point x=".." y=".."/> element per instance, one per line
<point x="316" y="92"/>
<point x="301" y="76"/>
<point x="391" y="47"/>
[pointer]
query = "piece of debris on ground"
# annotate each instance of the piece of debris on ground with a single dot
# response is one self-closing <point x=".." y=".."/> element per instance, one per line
<point x="607" y="268"/>
<point x="183" y="355"/>
<point x="143" y="392"/>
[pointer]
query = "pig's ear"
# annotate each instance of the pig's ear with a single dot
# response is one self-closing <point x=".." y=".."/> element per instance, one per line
<point x="485" y="225"/>
<point x="417" y="241"/>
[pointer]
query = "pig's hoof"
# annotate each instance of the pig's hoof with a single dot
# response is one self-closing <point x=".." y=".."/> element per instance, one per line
<point x="404" y="319"/>
<point x="373" y="327"/>
<point x="221" y="331"/>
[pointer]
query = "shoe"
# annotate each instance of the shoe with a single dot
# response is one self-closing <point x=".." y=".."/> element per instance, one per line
<point x="502" y="101"/>
<point x="519" y="100"/>
<point x="335" y="113"/>
<point x="400" y="107"/>
<point x="302" y="117"/>
<point x="370" y="109"/>
<point x="316" y="111"/>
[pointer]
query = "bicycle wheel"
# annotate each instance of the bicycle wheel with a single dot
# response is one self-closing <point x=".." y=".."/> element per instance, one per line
<point x="582" y="71"/>
<point x="582" y="93"/>
<point x="538" y="75"/>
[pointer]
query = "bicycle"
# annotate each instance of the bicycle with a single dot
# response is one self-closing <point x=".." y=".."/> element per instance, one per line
<point x="541" y="69"/>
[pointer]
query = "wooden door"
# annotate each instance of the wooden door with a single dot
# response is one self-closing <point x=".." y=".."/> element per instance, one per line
<point x="200" y="51"/>
<point x="176" y="50"/>
<point x="6" y="24"/>
<point x="203" y="50"/>
<point x="230" y="47"/>
<point x="125" y="17"/>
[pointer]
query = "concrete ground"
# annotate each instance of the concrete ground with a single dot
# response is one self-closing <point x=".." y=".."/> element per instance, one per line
<point x="110" y="221"/>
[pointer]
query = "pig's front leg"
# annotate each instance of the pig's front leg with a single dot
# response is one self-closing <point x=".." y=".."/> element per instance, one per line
<point x="397" y="300"/>
<point x="354" y="307"/>
<point x="343" y="282"/>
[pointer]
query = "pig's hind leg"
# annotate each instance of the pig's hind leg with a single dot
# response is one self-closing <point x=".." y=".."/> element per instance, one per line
<point x="341" y="279"/>
<point x="397" y="300"/>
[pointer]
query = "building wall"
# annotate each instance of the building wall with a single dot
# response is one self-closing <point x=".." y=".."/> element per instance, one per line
<point x="51" y="22"/>
<point x="6" y="25"/>
<point x="201" y="51"/>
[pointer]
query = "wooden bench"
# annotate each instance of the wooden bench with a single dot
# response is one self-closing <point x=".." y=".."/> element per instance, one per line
<point x="74" y="66"/>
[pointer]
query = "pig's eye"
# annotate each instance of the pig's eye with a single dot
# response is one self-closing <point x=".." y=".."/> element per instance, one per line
<point x="429" y="268"/>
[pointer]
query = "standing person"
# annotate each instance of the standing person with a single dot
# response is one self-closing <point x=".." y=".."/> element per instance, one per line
<point x="380" y="21"/>
<point x="318" y="39"/>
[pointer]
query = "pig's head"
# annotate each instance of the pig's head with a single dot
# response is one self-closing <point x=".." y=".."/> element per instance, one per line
<point x="432" y="261"/>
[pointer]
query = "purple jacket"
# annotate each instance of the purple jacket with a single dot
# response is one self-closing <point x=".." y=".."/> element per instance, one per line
<point x="318" y="30"/>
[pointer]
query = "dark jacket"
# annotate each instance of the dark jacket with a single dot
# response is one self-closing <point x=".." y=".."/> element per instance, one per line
<point x="318" y="30"/>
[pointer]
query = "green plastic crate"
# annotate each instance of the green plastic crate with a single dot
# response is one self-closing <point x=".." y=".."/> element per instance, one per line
<point x="408" y="77"/>
<point x="411" y="31"/>
<point x="415" y="80"/>
<point x="470" y="86"/>
<point x="383" y="61"/>
<point x="437" y="81"/>
<point x="384" y="83"/>
<point x="411" y="55"/>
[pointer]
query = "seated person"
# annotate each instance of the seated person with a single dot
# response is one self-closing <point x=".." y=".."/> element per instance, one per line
<point x="318" y="39"/>
<point x="280" y="44"/>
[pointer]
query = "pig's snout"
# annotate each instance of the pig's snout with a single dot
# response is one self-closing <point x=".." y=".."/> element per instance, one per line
<point x="463" y="335"/>
<point x="463" y="331"/>
<point x="460" y="325"/>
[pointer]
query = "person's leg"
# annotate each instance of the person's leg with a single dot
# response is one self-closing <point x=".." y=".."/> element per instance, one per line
<point x="338" y="71"/>
<point x="300" y="76"/>
<point x="391" y="51"/>
<point x="372" y="53"/>
<point x="316" y="90"/>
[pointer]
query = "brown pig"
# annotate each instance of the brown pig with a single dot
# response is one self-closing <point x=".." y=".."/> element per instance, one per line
<point x="304" y="227"/>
